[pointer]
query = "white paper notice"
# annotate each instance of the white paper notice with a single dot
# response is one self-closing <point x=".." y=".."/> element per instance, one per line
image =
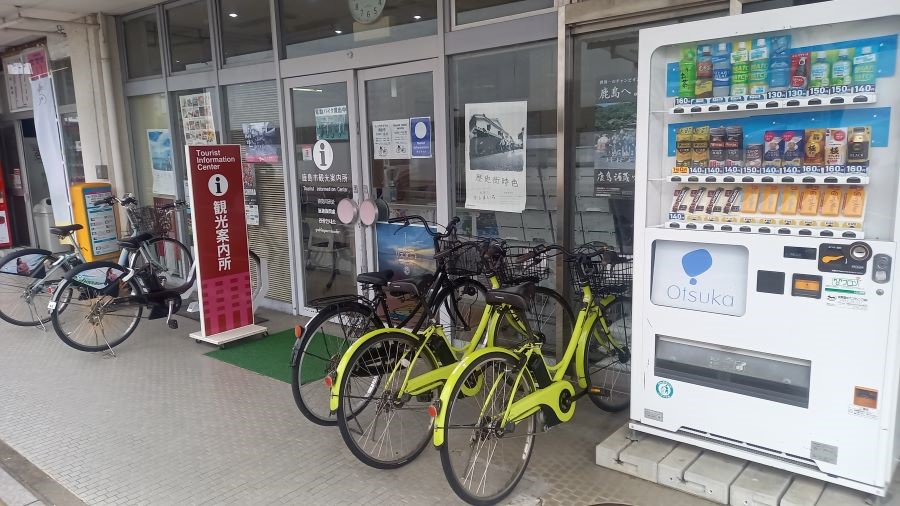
<point x="391" y="139"/>
<point x="495" y="156"/>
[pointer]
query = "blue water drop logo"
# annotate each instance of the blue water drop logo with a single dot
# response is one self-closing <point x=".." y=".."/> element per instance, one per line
<point x="696" y="263"/>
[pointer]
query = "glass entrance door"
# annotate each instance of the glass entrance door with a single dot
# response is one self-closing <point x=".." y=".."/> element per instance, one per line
<point x="400" y="166"/>
<point x="324" y="155"/>
<point x="369" y="137"/>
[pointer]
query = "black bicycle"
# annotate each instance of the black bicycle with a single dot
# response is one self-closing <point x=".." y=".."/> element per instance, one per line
<point x="341" y="320"/>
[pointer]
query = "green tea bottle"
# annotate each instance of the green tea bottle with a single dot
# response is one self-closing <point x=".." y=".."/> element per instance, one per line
<point x="688" y="72"/>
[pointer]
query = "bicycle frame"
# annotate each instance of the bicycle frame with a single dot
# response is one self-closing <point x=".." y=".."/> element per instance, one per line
<point x="551" y="385"/>
<point x="446" y="356"/>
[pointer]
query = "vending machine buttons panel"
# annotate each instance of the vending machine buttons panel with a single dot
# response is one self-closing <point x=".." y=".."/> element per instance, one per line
<point x="844" y="258"/>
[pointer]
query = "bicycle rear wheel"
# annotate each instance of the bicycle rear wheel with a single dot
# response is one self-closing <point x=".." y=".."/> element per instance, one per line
<point x="316" y="355"/>
<point x="385" y="427"/>
<point x="607" y="363"/>
<point x="255" y="274"/>
<point x="170" y="261"/>
<point x="100" y="315"/>
<point x="484" y="458"/>
<point x="549" y="311"/>
<point x="26" y="288"/>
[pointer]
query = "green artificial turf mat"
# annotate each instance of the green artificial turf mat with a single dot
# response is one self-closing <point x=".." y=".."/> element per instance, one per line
<point x="271" y="356"/>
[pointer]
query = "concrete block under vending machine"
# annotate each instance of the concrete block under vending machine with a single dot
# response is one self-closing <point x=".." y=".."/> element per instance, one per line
<point x="642" y="458"/>
<point x="834" y="495"/>
<point x="671" y="470"/>
<point x="802" y="492"/>
<point x="608" y="450"/>
<point x="759" y="485"/>
<point x="715" y="472"/>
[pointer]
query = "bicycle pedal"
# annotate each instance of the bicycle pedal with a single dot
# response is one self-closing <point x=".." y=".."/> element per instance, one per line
<point x="603" y="392"/>
<point x="173" y="324"/>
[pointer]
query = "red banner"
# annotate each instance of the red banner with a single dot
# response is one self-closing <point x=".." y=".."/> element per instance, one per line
<point x="220" y="237"/>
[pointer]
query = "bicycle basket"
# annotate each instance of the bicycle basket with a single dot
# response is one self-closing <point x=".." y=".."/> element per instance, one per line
<point x="150" y="220"/>
<point x="605" y="279"/>
<point x="511" y="272"/>
<point x="465" y="260"/>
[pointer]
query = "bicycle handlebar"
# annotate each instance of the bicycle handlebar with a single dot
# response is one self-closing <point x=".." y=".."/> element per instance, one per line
<point x="449" y="229"/>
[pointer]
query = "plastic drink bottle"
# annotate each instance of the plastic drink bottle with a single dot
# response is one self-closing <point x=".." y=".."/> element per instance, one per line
<point x="840" y="71"/>
<point x="721" y="61"/>
<point x="865" y="66"/>
<point x="820" y="72"/>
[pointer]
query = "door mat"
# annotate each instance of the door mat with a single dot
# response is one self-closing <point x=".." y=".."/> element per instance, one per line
<point x="269" y="356"/>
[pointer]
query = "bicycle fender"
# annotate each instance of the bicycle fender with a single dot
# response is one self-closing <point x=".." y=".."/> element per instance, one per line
<point x="33" y="258"/>
<point x="450" y="384"/>
<point x="316" y="322"/>
<point x="342" y="365"/>
<point x="101" y="275"/>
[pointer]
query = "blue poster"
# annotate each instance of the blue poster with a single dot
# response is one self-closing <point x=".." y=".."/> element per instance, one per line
<point x="408" y="251"/>
<point x="421" y="137"/>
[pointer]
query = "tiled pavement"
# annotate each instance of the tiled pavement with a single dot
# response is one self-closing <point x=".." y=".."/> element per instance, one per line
<point x="162" y="424"/>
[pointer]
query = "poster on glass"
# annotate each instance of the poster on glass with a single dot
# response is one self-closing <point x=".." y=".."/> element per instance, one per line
<point x="159" y="142"/>
<point x="615" y="120"/>
<point x="251" y="201"/>
<point x="197" y="119"/>
<point x="495" y="156"/>
<point x="331" y="123"/>
<point x="263" y="142"/>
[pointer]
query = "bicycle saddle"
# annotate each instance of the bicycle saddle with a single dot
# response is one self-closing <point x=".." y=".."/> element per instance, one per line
<point x="64" y="230"/>
<point x="518" y="296"/>
<point x="413" y="285"/>
<point x="134" y="242"/>
<point x="378" y="278"/>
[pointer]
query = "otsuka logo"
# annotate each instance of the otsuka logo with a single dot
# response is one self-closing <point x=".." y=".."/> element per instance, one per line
<point x="696" y="263"/>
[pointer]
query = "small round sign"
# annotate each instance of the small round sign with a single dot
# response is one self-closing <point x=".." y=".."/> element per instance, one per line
<point x="368" y="212"/>
<point x="322" y="155"/>
<point x="421" y="130"/>
<point x="218" y="185"/>
<point x="347" y="211"/>
<point x="664" y="389"/>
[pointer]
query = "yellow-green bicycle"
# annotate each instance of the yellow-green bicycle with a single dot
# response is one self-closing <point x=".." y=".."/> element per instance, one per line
<point x="497" y="399"/>
<point x="387" y="379"/>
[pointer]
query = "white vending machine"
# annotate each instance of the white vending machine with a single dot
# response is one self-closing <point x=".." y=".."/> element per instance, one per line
<point x="766" y="323"/>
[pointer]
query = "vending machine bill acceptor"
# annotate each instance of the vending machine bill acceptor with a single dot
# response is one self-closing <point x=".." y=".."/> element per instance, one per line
<point x="766" y="324"/>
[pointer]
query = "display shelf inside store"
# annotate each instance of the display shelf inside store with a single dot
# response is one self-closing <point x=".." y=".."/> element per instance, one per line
<point x="837" y="233"/>
<point x="802" y="102"/>
<point x="850" y="179"/>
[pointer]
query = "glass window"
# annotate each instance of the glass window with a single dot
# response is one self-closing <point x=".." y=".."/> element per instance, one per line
<point x="189" y="41"/>
<point x="765" y="5"/>
<point x="63" y="82"/>
<point x="312" y="26"/>
<point x="142" y="46"/>
<point x="71" y="139"/>
<point x="604" y="117"/>
<point x="246" y="31"/>
<point x="253" y="123"/>
<point x="150" y="124"/>
<point x="471" y="11"/>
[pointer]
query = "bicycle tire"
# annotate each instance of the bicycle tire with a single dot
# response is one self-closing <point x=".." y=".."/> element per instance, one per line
<point x="614" y="376"/>
<point x="371" y="357"/>
<point x="539" y="321"/>
<point x="255" y="274"/>
<point x="483" y="428"/>
<point x="86" y="294"/>
<point x="172" y="263"/>
<point x="13" y="285"/>
<point x="459" y="319"/>
<point x="308" y="368"/>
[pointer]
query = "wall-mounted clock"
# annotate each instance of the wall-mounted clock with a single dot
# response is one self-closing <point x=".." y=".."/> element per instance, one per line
<point x="366" y="11"/>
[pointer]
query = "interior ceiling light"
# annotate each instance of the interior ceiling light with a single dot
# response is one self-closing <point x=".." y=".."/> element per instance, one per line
<point x="417" y="17"/>
<point x="232" y="14"/>
<point x="338" y="32"/>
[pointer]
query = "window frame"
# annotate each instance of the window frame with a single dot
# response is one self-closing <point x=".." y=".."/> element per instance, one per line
<point x="120" y="35"/>
<point x="454" y="26"/>
<point x="214" y="42"/>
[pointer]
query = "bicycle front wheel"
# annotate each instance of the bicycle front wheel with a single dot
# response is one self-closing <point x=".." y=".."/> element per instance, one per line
<point x="324" y="341"/>
<point x="170" y="262"/>
<point x="384" y="426"/>
<point x="26" y="286"/>
<point x="100" y="315"/>
<point x="483" y="455"/>
<point x="607" y="363"/>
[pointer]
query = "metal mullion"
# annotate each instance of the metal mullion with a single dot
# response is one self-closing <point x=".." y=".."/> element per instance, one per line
<point x="163" y="27"/>
<point x="215" y="39"/>
<point x="564" y="187"/>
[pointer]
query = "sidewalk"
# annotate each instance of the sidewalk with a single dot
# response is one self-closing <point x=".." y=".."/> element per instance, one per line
<point x="163" y="424"/>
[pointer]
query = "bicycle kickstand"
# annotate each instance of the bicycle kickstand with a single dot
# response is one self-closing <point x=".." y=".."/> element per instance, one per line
<point x="172" y="323"/>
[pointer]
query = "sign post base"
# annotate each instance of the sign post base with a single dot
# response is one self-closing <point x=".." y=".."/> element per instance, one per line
<point x="230" y="335"/>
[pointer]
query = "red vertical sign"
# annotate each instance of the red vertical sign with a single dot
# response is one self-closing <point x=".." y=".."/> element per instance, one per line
<point x="220" y="237"/>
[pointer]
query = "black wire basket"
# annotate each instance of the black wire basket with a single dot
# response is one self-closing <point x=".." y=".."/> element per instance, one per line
<point x="512" y="272"/>
<point x="609" y="274"/>
<point x="465" y="260"/>
<point x="150" y="220"/>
